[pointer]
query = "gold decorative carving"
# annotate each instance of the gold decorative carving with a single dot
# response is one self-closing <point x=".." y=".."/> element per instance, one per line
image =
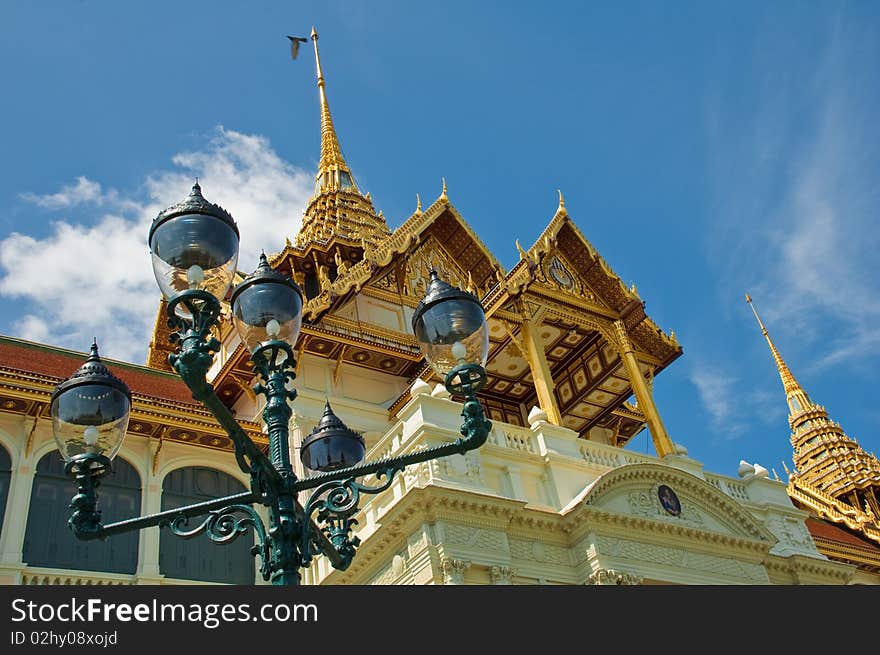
<point x="431" y="256"/>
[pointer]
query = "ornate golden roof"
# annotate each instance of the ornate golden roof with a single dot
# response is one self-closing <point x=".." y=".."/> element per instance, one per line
<point x="833" y="476"/>
<point x="337" y="208"/>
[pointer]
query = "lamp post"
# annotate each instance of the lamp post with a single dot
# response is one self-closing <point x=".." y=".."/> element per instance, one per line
<point x="194" y="248"/>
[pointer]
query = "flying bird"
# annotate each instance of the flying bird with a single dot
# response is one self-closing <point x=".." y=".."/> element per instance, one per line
<point x="294" y="44"/>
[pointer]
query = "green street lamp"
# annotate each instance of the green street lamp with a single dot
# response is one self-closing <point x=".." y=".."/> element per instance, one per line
<point x="194" y="248"/>
<point x="90" y="412"/>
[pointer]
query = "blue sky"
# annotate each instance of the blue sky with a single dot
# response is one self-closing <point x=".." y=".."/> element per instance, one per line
<point x="706" y="149"/>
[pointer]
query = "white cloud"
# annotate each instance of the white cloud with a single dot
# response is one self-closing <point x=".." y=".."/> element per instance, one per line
<point x="718" y="394"/>
<point x="96" y="280"/>
<point x="33" y="328"/>
<point x="70" y="195"/>
<point x="731" y="406"/>
<point x="796" y="203"/>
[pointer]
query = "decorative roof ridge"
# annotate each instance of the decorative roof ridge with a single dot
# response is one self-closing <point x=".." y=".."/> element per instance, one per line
<point x="395" y="243"/>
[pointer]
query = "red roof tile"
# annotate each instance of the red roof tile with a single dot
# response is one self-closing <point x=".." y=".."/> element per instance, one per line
<point x="825" y="530"/>
<point x="46" y="360"/>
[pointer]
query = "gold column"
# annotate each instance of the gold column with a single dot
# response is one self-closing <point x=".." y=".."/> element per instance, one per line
<point x="662" y="442"/>
<point x="540" y="371"/>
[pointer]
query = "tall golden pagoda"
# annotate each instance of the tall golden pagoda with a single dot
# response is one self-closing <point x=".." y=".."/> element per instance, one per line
<point x="566" y="335"/>
<point x="833" y="476"/>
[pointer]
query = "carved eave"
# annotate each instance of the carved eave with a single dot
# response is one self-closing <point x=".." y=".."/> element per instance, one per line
<point x="334" y="340"/>
<point x="834" y="509"/>
<point x="575" y="325"/>
<point x="297" y="261"/>
<point x="610" y="296"/>
<point x="572" y="297"/>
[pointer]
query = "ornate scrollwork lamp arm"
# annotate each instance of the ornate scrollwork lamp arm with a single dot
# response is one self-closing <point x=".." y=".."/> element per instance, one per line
<point x="334" y="504"/>
<point x="223" y="526"/>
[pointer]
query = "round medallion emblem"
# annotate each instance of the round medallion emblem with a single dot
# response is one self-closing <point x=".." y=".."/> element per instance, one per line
<point x="669" y="500"/>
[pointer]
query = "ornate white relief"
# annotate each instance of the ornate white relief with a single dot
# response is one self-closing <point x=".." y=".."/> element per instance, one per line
<point x="474" y="537"/>
<point x="453" y="570"/>
<point x="417" y="476"/>
<point x="795" y="532"/>
<point x="792" y="534"/>
<point x="418" y="541"/>
<point x="612" y="577"/>
<point x="398" y="565"/>
<point x="384" y="577"/>
<point x="536" y="551"/>
<point x="634" y="550"/>
<point x="392" y="571"/>
<point x="502" y="575"/>
<point x="647" y="503"/>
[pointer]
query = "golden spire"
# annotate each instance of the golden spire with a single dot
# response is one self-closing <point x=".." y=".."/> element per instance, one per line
<point x="827" y="461"/>
<point x="443" y="195"/>
<point x="332" y="163"/>
<point x="788" y="382"/>
<point x="337" y="210"/>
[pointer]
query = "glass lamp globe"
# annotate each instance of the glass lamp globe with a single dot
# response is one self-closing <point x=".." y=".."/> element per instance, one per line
<point x="267" y="306"/>
<point x="450" y="326"/>
<point x="90" y="411"/>
<point x="331" y="445"/>
<point x="194" y="245"/>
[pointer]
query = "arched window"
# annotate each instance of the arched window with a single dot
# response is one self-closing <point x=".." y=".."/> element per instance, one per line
<point x="200" y="558"/>
<point x="49" y="542"/>
<point x="5" y="478"/>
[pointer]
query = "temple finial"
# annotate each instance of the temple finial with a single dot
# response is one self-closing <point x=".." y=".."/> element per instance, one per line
<point x="561" y="207"/>
<point x="788" y="381"/>
<point x="443" y="195"/>
<point x="418" y="204"/>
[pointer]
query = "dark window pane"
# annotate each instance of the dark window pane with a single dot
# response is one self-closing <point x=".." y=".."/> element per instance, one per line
<point x="49" y="542"/>
<point x="200" y="558"/>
